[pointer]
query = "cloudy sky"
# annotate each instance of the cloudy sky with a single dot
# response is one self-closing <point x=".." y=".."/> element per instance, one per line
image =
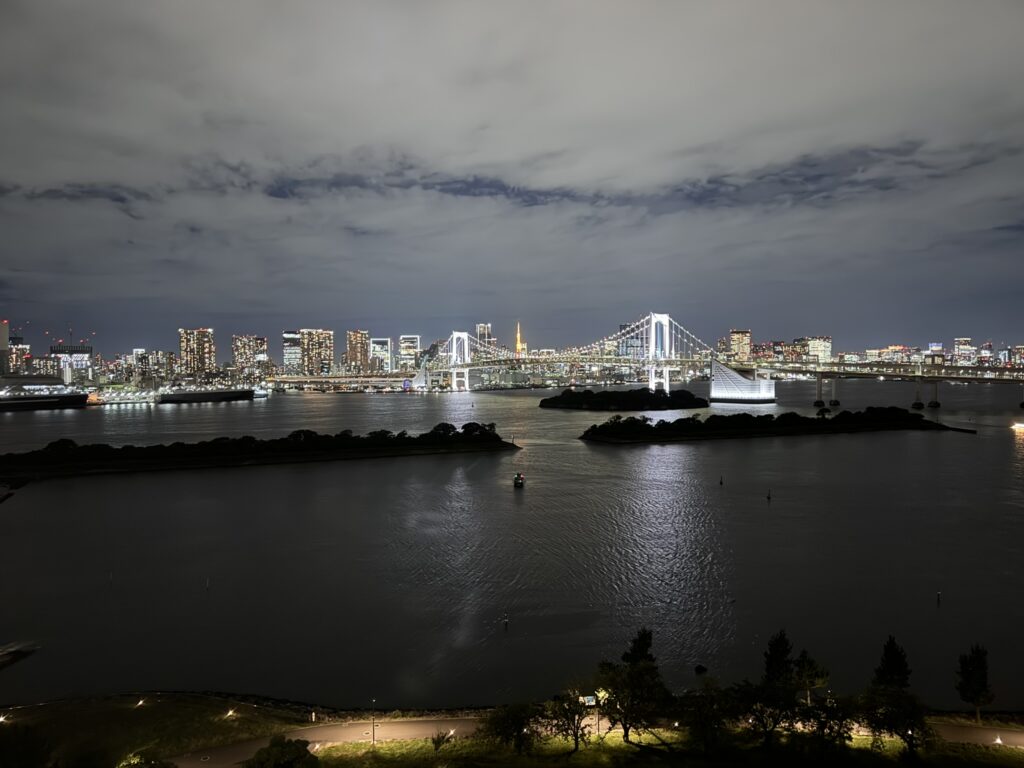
<point x="815" y="167"/>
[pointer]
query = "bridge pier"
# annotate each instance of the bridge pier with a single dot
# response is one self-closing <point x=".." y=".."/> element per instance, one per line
<point x="460" y="379"/>
<point x="917" y="405"/>
<point x="656" y="376"/>
<point x="818" y="401"/>
<point x="934" y="402"/>
<point x="835" y="392"/>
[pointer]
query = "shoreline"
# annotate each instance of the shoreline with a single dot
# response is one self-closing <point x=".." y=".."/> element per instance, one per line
<point x="633" y="430"/>
<point x="624" y="400"/>
<point x="240" y="462"/>
<point x="747" y="434"/>
<point x="64" y="458"/>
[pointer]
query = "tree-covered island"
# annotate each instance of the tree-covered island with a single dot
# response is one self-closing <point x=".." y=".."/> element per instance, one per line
<point x="64" y="458"/>
<point x="624" y="400"/>
<point x="716" y="426"/>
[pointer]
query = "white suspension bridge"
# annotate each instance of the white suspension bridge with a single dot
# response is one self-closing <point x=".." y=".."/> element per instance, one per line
<point x="656" y="346"/>
<point x="655" y="343"/>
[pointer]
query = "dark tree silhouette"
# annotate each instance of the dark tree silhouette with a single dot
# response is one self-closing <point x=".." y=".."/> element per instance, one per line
<point x="892" y="671"/>
<point x="889" y="707"/>
<point x="514" y="725"/>
<point x="633" y="691"/>
<point x="831" y="722"/>
<point x="809" y="674"/>
<point x="972" y="679"/>
<point x="706" y="712"/>
<point x="771" y="704"/>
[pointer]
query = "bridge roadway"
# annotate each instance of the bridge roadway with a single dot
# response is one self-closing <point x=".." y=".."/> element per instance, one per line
<point x="912" y="371"/>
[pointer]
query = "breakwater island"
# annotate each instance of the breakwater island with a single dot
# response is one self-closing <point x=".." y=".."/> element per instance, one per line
<point x="744" y="425"/>
<point x="65" y="458"/>
<point x="624" y="400"/>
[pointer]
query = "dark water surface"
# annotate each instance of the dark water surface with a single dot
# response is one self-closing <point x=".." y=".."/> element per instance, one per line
<point x="339" y="582"/>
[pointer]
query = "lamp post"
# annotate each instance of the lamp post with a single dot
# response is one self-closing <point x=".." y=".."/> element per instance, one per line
<point x="373" y="723"/>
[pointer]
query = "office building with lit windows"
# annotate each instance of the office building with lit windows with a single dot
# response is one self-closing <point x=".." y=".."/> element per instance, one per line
<point x="250" y="356"/>
<point x="198" y="355"/>
<point x="357" y="351"/>
<point x="380" y="355"/>
<point x="739" y="345"/>
<point x="317" y="348"/>
<point x="291" y="353"/>
<point x="408" y="352"/>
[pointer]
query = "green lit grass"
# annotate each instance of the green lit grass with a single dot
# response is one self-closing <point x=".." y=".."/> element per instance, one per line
<point x="612" y="751"/>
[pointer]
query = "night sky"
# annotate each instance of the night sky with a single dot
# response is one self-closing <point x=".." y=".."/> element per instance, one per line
<point x="853" y="169"/>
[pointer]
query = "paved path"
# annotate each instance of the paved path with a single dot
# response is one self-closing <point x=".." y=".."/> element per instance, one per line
<point x="330" y="733"/>
<point x="980" y="734"/>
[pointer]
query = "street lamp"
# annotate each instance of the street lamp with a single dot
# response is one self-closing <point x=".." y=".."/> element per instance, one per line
<point x="373" y="723"/>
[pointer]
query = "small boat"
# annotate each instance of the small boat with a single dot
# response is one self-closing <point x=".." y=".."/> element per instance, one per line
<point x="519" y="480"/>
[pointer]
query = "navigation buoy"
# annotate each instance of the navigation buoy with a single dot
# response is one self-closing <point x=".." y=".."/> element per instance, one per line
<point x="769" y="495"/>
<point x="721" y="480"/>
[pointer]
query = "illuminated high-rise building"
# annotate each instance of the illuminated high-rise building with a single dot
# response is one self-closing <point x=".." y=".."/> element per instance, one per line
<point x="964" y="351"/>
<point x="380" y="355"/>
<point x="317" y="347"/>
<point x="739" y="345"/>
<point x="815" y="349"/>
<point x="250" y="356"/>
<point x="198" y="354"/>
<point x="291" y="353"/>
<point x="484" y="335"/>
<point x="357" y="351"/>
<point x="19" y="355"/>
<point x="408" y="351"/>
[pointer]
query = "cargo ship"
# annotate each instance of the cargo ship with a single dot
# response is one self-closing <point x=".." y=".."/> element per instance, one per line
<point x="203" y="395"/>
<point x="39" y="400"/>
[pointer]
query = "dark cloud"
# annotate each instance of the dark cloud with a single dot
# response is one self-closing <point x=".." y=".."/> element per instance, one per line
<point x="796" y="167"/>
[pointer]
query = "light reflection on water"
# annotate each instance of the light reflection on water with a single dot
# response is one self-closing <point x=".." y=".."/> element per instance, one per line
<point x="338" y="582"/>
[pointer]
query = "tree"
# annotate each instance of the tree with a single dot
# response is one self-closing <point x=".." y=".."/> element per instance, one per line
<point x="831" y="722"/>
<point x="514" y="725"/>
<point x="566" y="716"/>
<point x="705" y="713"/>
<point x="634" y="690"/>
<point x="892" y="671"/>
<point x="283" y="753"/>
<point x="972" y="679"/>
<point x="771" y="705"/>
<point x="889" y="707"/>
<point x="809" y="674"/>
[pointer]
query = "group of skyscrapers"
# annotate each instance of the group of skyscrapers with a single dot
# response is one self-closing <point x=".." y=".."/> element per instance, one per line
<point x="304" y="352"/>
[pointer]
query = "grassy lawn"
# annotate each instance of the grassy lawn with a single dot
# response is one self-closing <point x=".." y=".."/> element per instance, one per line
<point x="108" y="728"/>
<point x="100" y="732"/>
<point x="612" y="751"/>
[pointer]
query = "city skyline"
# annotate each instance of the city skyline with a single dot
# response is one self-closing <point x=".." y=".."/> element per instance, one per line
<point x="278" y="349"/>
<point x="849" y="167"/>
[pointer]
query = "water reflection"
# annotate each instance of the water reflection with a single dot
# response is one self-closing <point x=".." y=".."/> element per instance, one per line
<point x="339" y="582"/>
